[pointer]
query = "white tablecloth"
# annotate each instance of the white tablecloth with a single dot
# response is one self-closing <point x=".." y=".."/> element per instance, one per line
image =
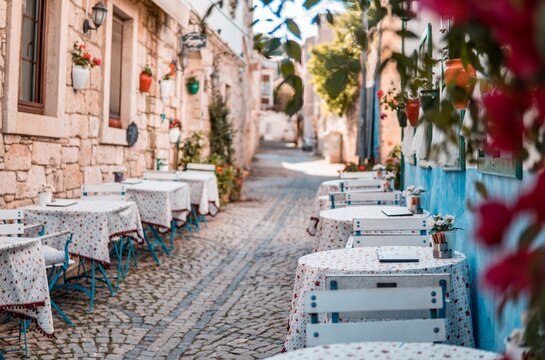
<point x="24" y="290"/>
<point x="92" y="224"/>
<point x="388" y="351"/>
<point x="335" y="225"/>
<point x="312" y="270"/>
<point x="161" y="201"/>
<point x="203" y="188"/>
<point x="325" y="188"/>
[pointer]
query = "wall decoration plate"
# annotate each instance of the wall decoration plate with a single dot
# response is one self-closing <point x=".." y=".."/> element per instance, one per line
<point x="132" y="134"/>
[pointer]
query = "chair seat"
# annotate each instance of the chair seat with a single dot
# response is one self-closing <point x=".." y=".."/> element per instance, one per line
<point x="52" y="256"/>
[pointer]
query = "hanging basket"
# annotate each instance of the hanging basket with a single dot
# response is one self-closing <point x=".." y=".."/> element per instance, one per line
<point x="193" y="87"/>
<point x="429" y="99"/>
<point x="145" y="82"/>
<point x="462" y="78"/>
<point x="412" y="110"/>
<point x="166" y="88"/>
<point x="80" y="77"/>
<point x="174" y="134"/>
<point x="401" y="117"/>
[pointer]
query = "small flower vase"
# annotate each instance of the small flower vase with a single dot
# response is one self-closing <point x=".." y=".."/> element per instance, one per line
<point x="386" y="186"/>
<point x="174" y="134"/>
<point x="45" y="198"/>
<point x="80" y="77"/>
<point x="162" y="165"/>
<point x="414" y="204"/>
<point x="441" y="251"/>
<point x="118" y="177"/>
<point x="166" y="88"/>
<point x="515" y="351"/>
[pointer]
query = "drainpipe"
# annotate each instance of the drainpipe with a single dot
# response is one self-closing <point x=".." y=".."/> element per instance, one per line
<point x="363" y="126"/>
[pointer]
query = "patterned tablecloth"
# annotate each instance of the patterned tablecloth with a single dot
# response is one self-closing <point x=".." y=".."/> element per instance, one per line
<point x="161" y="201"/>
<point x="312" y="270"/>
<point x="388" y="351"/>
<point x="92" y="224"/>
<point x="325" y="188"/>
<point x="24" y="290"/>
<point x="204" y="190"/>
<point x="335" y="225"/>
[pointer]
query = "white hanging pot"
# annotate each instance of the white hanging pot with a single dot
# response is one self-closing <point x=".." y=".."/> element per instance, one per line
<point x="80" y="77"/>
<point x="166" y="88"/>
<point x="174" y="134"/>
<point x="44" y="198"/>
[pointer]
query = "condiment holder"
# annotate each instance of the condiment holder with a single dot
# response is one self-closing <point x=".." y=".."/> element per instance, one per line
<point x="441" y="251"/>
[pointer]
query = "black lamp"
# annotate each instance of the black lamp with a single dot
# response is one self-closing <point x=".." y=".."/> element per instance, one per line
<point x="98" y="16"/>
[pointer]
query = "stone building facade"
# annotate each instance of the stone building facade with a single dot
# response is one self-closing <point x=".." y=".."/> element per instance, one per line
<point x="70" y="142"/>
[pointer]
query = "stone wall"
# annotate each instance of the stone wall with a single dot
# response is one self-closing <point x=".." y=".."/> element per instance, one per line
<point x="82" y="157"/>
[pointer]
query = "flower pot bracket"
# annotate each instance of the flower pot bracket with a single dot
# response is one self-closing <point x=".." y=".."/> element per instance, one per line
<point x="194" y="41"/>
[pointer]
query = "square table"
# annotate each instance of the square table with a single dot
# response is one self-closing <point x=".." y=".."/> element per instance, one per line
<point x="204" y="190"/>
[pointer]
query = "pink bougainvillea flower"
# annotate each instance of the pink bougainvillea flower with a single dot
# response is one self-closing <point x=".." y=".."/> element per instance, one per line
<point x="504" y="115"/>
<point x="97" y="62"/>
<point x="493" y="219"/>
<point x="512" y="273"/>
<point x="383" y="116"/>
<point x="532" y="200"/>
<point x="380" y="93"/>
<point x="87" y="56"/>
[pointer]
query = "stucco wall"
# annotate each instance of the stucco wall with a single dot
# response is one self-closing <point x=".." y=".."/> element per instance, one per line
<point x="447" y="194"/>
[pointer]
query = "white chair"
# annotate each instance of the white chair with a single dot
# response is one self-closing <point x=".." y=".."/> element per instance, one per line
<point x="358" y="175"/>
<point x="162" y="175"/>
<point x="406" y="308"/>
<point x="364" y="198"/>
<point x="101" y="192"/>
<point x="201" y="167"/>
<point x="404" y="231"/>
<point x="359" y="184"/>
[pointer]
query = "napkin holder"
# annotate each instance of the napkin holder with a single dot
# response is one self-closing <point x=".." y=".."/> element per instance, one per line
<point x="441" y="251"/>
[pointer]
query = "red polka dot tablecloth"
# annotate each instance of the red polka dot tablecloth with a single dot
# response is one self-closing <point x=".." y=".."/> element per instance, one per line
<point x="335" y="225"/>
<point x="325" y="188"/>
<point x="388" y="351"/>
<point x="92" y="224"/>
<point x="161" y="201"/>
<point x="24" y="290"/>
<point x="203" y="189"/>
<point x="312" y="270"/>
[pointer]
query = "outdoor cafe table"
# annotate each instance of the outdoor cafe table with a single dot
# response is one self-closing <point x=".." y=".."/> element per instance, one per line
<point x="92" y="223"/>
<point x="24" y="290"/>
<point x="203" y="189"/>
<point x="335" y="225"/>
<point x="313" y="268"/>
<point x="388" y="351"/>
<point x="160" y="202"/>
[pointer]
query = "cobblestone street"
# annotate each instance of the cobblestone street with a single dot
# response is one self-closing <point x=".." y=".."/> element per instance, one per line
<point x="225" y="292"/>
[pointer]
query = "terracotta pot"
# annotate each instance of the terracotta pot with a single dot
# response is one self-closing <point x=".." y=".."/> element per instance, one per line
<point x="412" y="110"/>
<point x="464" y="78"/>
<point x="401" y="118"/>
<point x="429" y="99"/>
<point x="115" y="123"/>
<point x="80" y="77"/>
<point x="145" y="82"/>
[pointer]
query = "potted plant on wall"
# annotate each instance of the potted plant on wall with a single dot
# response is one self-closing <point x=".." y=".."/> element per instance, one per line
<point x="412" y="103"/>
<point x="395" y="100"/>
<point x="192" y="85"/>
<point x="174" y="130"/>
<point x="146" y="78"/>
<point x="82" y="62"/>
<point x="167" y="84"/>
<point x="460" y="77"/>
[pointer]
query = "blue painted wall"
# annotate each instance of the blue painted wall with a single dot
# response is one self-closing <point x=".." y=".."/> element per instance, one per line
<point x="447" y="193"/>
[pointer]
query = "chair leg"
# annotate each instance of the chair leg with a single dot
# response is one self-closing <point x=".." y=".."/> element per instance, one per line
<point x="195" y="218"/>
<point x="151" y="249"/>
<point x="172" y="234"/>
<point x="61" y="313"/>
<point x="158" y="239"/>
<point x="106" y="279"/>
<point x="24" y="324"/>
<point x="92" y="297"/>
<point x="203" y="219"/>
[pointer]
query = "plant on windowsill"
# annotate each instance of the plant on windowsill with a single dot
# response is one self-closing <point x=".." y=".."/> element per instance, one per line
<point x="146" y="78"/>
<point x="174" y="130"/>
<point x="82" y="62"/>
<point x="192" y="85"/>
<point x="167" y="84"/>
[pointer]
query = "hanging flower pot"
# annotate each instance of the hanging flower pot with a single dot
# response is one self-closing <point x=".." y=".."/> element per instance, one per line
<point x="145" y="82"/>
<point x="412" y="110"/>
<point x="401" y="117"/>
<point x="192" y="85"/>
<point x="463" y="78"/>
<point x="80" y="76"/>
<point x="429" y="99"/>
<point x="174" y="134"/>
<point x="166" y="88"/>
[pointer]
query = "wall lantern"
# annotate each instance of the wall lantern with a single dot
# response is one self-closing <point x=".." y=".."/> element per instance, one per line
<point x="98" y="16"/>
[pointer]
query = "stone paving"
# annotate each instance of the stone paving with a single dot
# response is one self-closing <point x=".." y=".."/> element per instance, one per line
<point x="225" y="292"/>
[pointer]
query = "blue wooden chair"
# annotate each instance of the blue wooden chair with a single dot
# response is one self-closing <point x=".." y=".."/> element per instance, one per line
<point x="350" y="198"/>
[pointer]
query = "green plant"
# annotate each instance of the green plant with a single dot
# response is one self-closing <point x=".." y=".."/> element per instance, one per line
<point x="221" y="130"/>
<point x="192" y="148"/>
<point x="228" y="186"/>
<point x="191" y="80"/>
<point x="147" y="70"/>
<point x="81" y="57"/>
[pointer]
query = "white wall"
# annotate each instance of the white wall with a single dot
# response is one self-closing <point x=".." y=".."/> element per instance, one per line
<point x="276" y="126"/>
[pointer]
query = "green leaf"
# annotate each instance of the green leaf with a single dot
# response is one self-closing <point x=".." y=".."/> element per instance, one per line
<point x="329" y="17"/>
<point x="336" y="83"/>
<point x="316" y="20"/>
<point x="293" y="49"/>
<point x="293" y="28"/>
<point x="481" y="189"/>
<point x="310" y="3"/>
<point x="287" y="68"/>
<point x="354" y="65"/>
<point x="540" y="28"/>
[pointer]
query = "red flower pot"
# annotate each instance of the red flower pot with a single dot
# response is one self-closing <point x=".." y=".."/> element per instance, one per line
<point x="145" y="82"/>
<point x="115" y="123"/>
<point x="412" y="110"/>
<point x="464" y="78"/>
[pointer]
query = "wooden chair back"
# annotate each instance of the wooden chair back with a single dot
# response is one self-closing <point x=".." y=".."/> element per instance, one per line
<point x="162" y="175"/>
<point x="357" y="184"/>
<point x="11" y="222"/>
<point x="349" y="198"/>
<point x="358" y="175"/>
<point x="201" y="167"/>
<point x="112" y="191"/>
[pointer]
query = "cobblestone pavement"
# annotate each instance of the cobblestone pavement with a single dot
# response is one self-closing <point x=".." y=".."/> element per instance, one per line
<point x="224" y="294"/>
